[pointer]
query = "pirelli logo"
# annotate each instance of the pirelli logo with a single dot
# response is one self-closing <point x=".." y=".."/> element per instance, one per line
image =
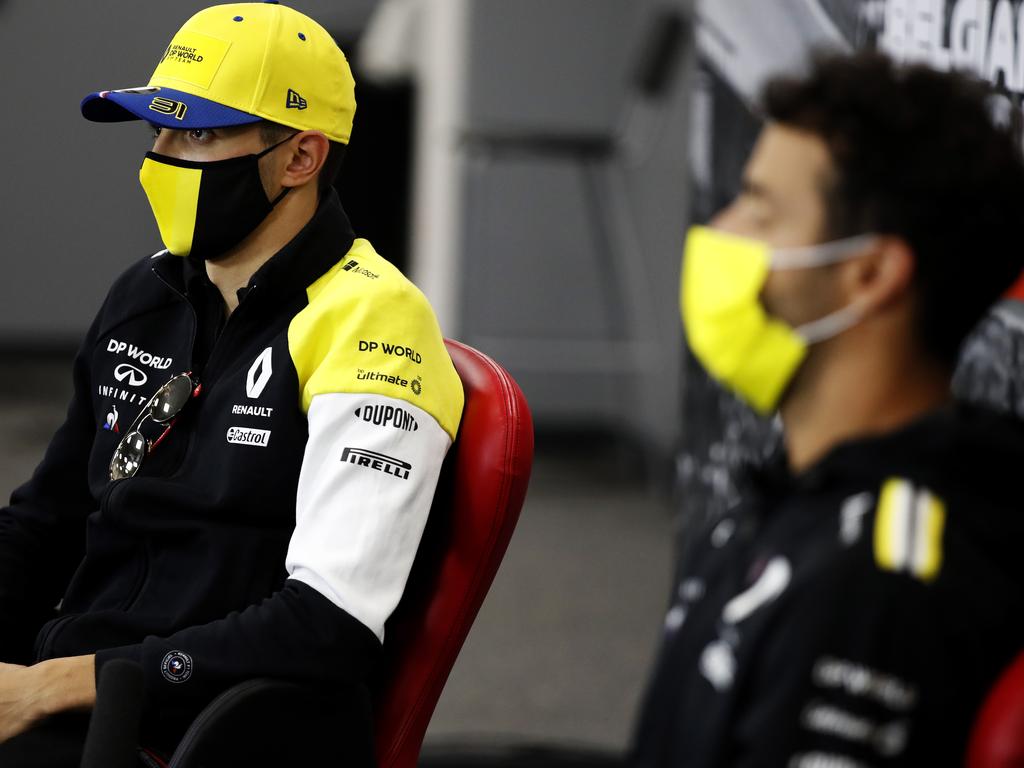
<point x="908" y="530"/>
<point x="381" y="462"/>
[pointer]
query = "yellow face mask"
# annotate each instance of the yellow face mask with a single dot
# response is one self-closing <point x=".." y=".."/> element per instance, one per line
<point x="738" y="343"/>
<point x="203" y="209"/>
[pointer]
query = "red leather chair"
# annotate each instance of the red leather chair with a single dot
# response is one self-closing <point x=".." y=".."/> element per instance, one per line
<point x="997" y="739"/>
<point x="479" y="496"/>
<point x="476" y="507"/>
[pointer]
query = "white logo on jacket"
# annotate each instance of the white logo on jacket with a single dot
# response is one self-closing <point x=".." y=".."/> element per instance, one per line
<point x="249" y="436"/>
<point x="136" y="378"/>
<point x="259" y="374"/>
<point x="387" y="416"/>
<point x="111" y="421"/>
<point x="138" y="354"/>
<point x="718" y="661"/>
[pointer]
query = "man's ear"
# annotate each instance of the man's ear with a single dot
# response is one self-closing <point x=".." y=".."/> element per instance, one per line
<point x="308" y="153"/>
<point x="883" y="276"/>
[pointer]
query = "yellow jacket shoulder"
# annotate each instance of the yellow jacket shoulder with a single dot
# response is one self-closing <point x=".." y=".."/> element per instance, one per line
<point x="368" y="329"/>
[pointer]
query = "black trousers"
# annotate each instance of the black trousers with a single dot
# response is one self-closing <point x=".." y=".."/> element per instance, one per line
<point x="255" y="724"/>
<point x="54" y="743"/>
<point x="57" y="742"/>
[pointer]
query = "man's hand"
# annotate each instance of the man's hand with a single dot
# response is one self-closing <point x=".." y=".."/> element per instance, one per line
<point x="28" y="694"/>
<point x="18" y="707"/>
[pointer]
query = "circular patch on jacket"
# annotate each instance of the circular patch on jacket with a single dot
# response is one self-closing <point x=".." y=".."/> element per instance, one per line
<point x="176" y="667"/>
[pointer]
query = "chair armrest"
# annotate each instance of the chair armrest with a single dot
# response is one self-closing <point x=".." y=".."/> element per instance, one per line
<point x="274" y="722"/>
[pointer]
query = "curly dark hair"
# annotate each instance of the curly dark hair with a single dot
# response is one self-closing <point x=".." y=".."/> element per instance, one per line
<point x="916" y="153"/>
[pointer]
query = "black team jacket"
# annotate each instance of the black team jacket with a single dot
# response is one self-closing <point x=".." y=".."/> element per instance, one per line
<point x="853" y="615"/>
<point x="271" y="533"/>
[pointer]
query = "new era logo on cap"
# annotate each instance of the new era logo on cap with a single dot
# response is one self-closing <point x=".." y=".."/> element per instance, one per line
<point x="295" y="101"/>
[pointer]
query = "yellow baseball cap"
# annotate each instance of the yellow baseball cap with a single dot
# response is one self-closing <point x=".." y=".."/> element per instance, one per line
<point x="237" y="64"/>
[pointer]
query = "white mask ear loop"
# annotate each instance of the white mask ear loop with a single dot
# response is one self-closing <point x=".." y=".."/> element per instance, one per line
<point x="830" y="325"/>
<point x="820" y="254"/>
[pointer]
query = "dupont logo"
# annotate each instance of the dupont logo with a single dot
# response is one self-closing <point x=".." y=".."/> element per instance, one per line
<point x="387" y="416"/>
<point x="381" y="462"/>
<point x="249" y="436"/>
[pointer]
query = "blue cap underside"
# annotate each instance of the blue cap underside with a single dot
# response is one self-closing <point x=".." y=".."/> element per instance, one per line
<point x="117" y="106"/>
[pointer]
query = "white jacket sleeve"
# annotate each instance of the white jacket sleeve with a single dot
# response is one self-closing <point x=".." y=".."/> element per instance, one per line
<point x="367" y="482"/>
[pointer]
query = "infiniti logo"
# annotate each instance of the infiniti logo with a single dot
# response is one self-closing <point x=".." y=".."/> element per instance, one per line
<point x="135" y="377"/>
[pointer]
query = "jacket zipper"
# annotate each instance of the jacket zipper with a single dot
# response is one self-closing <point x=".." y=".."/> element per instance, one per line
<point x="140" y="581"/>
<point x="191" y="355"/>
<point x="136" y="589"/>
<point x="195" y="316"/>
<point x="221" y="342"/>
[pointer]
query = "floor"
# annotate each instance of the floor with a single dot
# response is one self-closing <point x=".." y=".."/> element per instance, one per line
<point x="559" y="652"/>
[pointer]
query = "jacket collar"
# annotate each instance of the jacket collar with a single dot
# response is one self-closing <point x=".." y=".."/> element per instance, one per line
<point x="957" y="440"/>
<point x="318" y="246"/>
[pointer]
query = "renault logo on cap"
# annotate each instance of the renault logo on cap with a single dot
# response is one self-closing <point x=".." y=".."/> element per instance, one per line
<point x="295" y="101"/>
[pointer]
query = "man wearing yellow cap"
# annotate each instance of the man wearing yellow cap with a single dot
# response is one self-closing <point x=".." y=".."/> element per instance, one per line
<point x="259" y="418"/>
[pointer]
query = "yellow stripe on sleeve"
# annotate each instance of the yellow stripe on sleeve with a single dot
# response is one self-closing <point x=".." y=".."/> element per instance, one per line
<point x="891" y="524"/>
<point x="931" y="521"/>
<point x="909" y="525"/>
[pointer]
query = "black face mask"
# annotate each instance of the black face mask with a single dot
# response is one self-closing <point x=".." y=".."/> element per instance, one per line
<point x="204" y="209"/>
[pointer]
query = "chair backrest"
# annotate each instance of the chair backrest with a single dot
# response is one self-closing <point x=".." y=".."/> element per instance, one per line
<point x="476" y="506"/>
<point x="997" y="739"/>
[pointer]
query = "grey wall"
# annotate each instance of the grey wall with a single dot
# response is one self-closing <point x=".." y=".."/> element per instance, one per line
<point x="573" y="210"/>
<point x="72" y="214"/>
